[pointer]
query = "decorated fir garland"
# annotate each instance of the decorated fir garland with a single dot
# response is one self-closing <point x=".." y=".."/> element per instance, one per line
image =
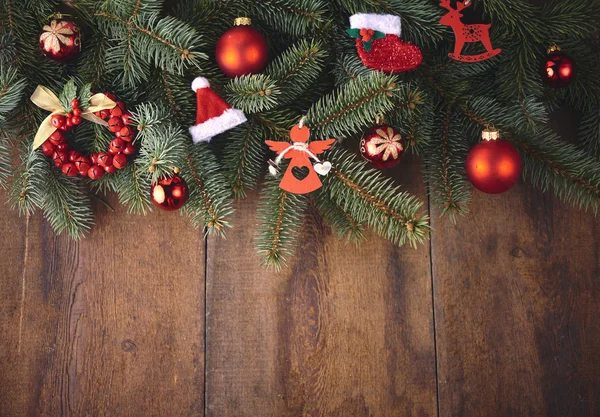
<point x="443" y="77"/>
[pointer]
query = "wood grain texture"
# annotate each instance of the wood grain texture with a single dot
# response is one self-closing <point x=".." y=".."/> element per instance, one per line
<point x="517" y="301"/>
<point x="111" y="325"/>
<point x="345" y="331"/>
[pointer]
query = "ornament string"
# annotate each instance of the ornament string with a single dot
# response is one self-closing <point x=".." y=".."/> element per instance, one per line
<point x="45" y="99"/>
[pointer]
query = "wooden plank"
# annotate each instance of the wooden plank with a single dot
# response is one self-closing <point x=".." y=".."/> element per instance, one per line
<point x="345" y="332"/>
<point x="111" y="325"/>
<point x="517" y="305"/>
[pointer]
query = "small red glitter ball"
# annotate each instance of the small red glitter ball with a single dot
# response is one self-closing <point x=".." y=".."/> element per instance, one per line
<point x="169" y="193"/>
<point x="558" y="70"/>
<point x="383" y="146"/>
<point x="494" y="166"/>
<point x="242" y="50"/>
<point x="60" y="40"/>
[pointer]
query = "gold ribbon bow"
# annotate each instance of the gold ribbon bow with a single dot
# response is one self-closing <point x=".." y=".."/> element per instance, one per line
<point x="47" y="100"/>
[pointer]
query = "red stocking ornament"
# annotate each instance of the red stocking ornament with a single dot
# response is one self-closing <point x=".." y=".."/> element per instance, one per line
<point x="378" y="43"/>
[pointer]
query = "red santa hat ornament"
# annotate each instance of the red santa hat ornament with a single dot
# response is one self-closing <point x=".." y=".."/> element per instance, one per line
<point x="213" y="115"/>
<point x="378" y="43"/>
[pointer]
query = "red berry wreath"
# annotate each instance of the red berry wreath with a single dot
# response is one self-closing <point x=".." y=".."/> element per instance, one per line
<point x="114" y="114"/>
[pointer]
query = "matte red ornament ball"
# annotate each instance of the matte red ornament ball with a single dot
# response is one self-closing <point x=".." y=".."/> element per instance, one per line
<point x="169" y="193"/>
<point x="494" y="166"/>
<point x="242" y="50"/>
<point x="60" y="40"/>
<point x="558" y="70"/>
<point x="383" y="146"/>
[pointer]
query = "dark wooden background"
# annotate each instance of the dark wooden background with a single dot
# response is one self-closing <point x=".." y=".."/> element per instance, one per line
<point x="495" y="316"/>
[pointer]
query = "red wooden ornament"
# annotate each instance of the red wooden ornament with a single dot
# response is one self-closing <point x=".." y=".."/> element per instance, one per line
<point x="467" y="33"/>
<point x="301" y="176"/>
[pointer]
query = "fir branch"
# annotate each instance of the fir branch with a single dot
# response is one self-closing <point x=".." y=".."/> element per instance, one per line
<point x="444" y="170"/>
<point x="133" y="187"/>
<point x="297" y="69"/>
<point x="353" y="106"/>
<point x="371" y="198"/>
<point x="252" y="93"/>
<point x="296" y="18"/>
<point x="281" y="216"/>
<point x="339" y="219"/>
<point x="209" y="201"/>
<point x="244" y="157"/>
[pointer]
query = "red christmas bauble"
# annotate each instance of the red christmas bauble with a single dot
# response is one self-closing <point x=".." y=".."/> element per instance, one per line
<point x="494" y="166"/>
<point x="558" y="70"/>
<point x="60" y="40"/>
<point x="170" y="193"/>
<point x="383" y="146"/>
<point x="242" y="50"/>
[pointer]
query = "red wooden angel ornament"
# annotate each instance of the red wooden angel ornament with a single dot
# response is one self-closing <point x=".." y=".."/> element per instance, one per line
<point x="301" y="176"/>
<point x="467" y="33"/>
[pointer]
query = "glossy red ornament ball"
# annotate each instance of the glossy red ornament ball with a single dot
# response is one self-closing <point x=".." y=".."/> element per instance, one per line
<point x="242" y="50"/>
<point x="494" y="166"/>
<point x="169" y="193"/>
<point x="129" y="149"/>
<point x="558" y="70"/>
<point x="60" y="40"/>
<point x="110" y="169"/>
<point x="383" y="146"/>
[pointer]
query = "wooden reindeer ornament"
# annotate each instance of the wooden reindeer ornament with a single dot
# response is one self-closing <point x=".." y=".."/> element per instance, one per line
<point x="467" y="33"/>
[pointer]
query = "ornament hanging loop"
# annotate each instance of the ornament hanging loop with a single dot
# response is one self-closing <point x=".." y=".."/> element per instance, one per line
<point x="490" y="132"/>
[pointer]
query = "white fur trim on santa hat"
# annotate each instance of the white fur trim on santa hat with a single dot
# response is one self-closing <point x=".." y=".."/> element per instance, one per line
<point x="200" y="82"/>
<point x="386" y="23"/>
<point x="204" y="131"/>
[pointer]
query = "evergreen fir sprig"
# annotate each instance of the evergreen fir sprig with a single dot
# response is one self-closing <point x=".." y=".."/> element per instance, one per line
<point x="297" y="68"/>
<point x="144" y="39"/>
<point x="349" y="67"/>
<point x="296" y="18"/>
<point x="12" y="86"/>
<point x="162" y="148"/>
<point x="209" y="202"/>
<point x="244" y="157"/>
<point x="253" y="93"/>
<point x="281" y="215"/>
<point x="25" y="194"/>
<point x="589" y="132"/>
<point x="444" y="168"/>
<point x="340" y="220"/>
<point x="352" y="106"/>
<point x="65" y="203"/>
<point x="372" y="199"/>
<point x="132" y="185"/>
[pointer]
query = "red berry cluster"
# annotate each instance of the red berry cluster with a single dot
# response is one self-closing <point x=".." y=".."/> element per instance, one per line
<point x="72" y="162"/>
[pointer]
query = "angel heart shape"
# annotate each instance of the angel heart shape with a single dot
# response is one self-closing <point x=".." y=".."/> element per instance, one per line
<point x="323" y="168"/>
